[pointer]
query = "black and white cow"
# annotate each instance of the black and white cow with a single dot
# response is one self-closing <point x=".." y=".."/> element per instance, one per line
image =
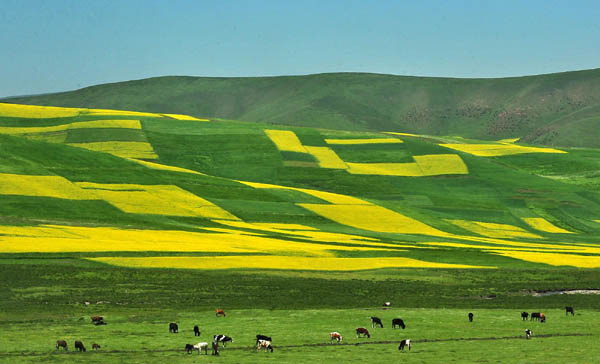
<point x="528" y="333"/>
<point x="569" y="309"/>
<point x="403" y="343"/>
<point x="398" y="322"/>
<point x="260" y="337"/>
<point x="222" y="339"/>
<point x="173" y="327"/>
<point x="376" y="321"/>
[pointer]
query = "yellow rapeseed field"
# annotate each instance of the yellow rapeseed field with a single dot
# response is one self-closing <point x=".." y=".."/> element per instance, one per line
<point x="327" y="157"/>
<point x="42" y="186"/>
<point x="494" y="230"/>
<point x="363" y="141"/>
<point x="96" y="124"/>
<point x="493" y="150"/>
<point x="404" y="134"/>
<point x="36" y="112"/>
<point x="184" y="117"/>
<point x="542" y="224"/>
<point x="156" y="199"/>
<point x="556" y="259"/>
<point x="284" y="226"/>
<point x="386" y="169"/>
<point x="373" y="218"/>
<point x="285" y="140"/>
<point x="165" y="167"/>
<point x="118" y="112"/>
<point x="438" y="164"/>
<point x="334" y="198"/>
<point x="136" y="150"/>
<point x="275" y="262"/>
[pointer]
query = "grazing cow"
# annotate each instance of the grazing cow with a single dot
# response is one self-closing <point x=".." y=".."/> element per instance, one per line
<point x="215" y="348"/>
<point x="470" y="316"/>
<point x="97" y="319"/>
<point x="222" y="339"/>
<point x="524" y="315"/>
<point x="569" y="309"/>
<point x="95" y="346"/>
<point x="376" y="321"/>
<point x="361" y="331"/>
<point x="266" y="344"/>
<point x="335" y="336"/>
<point x="528" y="333"/>
<point x="196" y="331"/>
<point x="61" y="344"/>
<point x="201" y="346"/>
<point x="403" y="343"/>
<point x="79" y="346"/>
<point x="173" y="327"/>
<point x="534" y="315"/>
<point x="260" y="337"/>
<point x="98" y="323"/>
<point x="542" y="317"/>
<point x="398" y="322"/>
<point x="220" y="312"/>
<point x="387" y="304"/>
<point x="189" y="348"/>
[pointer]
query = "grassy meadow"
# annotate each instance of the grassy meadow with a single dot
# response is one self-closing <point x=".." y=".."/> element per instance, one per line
<point x="295" y="232"/>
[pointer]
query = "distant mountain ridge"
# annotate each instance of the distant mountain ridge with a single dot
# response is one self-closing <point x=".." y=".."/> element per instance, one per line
<point x="560" y="109"/>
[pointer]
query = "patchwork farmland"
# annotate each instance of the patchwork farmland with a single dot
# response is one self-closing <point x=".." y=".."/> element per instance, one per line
<point x="171" y="213"/>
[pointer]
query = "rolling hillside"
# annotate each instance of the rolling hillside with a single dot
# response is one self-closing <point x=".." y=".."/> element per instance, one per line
<point x="561" y="109"/>
<point x="169" y="190"/>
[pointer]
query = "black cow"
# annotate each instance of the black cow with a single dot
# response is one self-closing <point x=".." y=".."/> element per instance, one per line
<point x="262" y="337"/>
<point x="189" y="348"/>
<point x="173" y="327"/>
<point x="222" y="339"/>
<point x="376" y="321"/>
<point x="79" y="346"/>
<point x="95" y="346"/>
<point x="403" y="343"/>
<point x="569" y="309"/>
<point x="398" y="322"/>
<point x="470" y="316"/>
<point x="535" y="315"/>
<point x="196" y="331"/>
<point x="524" y="315"/>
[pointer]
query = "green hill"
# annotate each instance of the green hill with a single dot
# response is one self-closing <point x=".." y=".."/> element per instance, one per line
<point x="561" y="109"/>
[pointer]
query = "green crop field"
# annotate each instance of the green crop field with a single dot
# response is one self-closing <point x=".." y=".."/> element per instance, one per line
<point x="149" y="220"/>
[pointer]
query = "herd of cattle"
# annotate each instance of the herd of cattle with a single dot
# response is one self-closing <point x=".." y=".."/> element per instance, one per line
<point x="265" y="342"/>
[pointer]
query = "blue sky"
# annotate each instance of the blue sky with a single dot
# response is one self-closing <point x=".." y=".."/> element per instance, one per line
<point x="62" y="45"/>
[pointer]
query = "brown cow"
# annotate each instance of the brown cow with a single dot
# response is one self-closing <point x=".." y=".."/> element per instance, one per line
<point x="61" y="344"/>
<point x="79" y="346"/>
<point x="335" y="336"/>
<point x="95" y="346"/>
<point x="97" y="318"/>
<point x="220" y="312"/>
<point x="361" y="331"/>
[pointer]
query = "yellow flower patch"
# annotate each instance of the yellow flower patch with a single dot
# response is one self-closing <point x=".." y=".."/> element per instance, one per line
<point x="156" y="199"/>
<point x="386" y="169"/>
<point x="118" y="112"/>
<point x="556" y="259"/>
<point x="363" y="141"/>
<point x="184" y="117"/>
<point x="493" y="230"/>
<point x="373" y="218"/>
<point x="275" y="262"/>
<point x="42" y="186"/>
<point x="493" y="150"/>
<point x="334" y="198"/>
<point x="283" y="226"/>
<point x="542" y="224"/>
<point x="136" y="150"/>
<point x="36" y="112"/>
<point x="404" y="134"/>
<point x="285" y="140"/>
<point x="95" y="124"/>
<point x="438" y="164"/>
<point x="327" y="158"/>
<point x="165" y="167"/>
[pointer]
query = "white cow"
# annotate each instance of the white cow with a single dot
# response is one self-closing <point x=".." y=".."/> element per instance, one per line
<point x="202" y="346"/>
